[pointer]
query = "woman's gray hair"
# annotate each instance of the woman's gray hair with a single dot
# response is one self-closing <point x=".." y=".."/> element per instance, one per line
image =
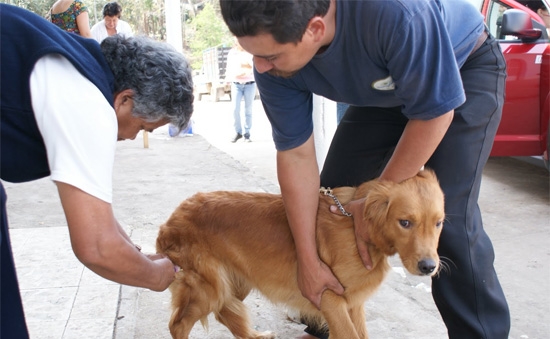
<point x="159" y="76"/>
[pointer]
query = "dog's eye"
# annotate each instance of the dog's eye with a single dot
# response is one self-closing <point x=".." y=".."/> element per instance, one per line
<point x="405" y="223"/>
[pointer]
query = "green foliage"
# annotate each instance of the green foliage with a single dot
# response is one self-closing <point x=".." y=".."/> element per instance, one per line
<point x="207" y="30"/>
<point x="40" y="7"/>
<point x="146" y="17"/>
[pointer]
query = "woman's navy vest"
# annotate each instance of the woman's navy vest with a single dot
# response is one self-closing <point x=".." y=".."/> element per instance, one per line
<point x="25" y="38"/>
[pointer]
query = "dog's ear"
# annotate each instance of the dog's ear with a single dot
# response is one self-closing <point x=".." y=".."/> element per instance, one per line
<point x="377" y="203"/>
<point x="427" y="173"/>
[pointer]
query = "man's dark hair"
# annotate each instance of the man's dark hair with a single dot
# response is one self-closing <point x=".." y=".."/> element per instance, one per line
<point x="285" y="20"/>
<point x="112" y="9"/>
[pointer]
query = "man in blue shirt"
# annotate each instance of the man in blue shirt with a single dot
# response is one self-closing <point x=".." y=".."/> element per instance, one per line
<point x="425" y="83"/>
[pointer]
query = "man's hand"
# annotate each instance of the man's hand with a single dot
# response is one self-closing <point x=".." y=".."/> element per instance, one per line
<point x="314" y="279"/>
<point x="356" y="208"/>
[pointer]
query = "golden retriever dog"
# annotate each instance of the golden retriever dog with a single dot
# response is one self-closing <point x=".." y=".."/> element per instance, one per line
<point x="228" y="243"/>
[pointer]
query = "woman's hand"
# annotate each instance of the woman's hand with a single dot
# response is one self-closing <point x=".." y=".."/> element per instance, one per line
<point x="167" y="271"/>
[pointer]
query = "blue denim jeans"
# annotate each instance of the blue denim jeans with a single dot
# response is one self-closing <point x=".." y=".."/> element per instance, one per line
<point x="238" y="92"/>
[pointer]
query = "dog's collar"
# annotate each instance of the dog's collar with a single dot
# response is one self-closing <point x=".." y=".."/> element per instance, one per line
<point x="328" y="192"/>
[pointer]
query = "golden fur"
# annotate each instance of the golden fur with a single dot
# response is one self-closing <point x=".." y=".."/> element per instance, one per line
<point x="228" y="243"/>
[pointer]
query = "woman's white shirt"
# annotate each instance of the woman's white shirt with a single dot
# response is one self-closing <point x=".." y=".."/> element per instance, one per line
<point x="78" y="125"/>
<point x="99" y="31"/>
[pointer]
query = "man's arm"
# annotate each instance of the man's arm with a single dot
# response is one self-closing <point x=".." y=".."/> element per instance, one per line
<point x="298" y="175"/>
<point x="99" y="244"/>
<point x="417" y="144"/>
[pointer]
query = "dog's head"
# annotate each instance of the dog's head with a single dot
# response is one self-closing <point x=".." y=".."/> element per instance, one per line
<point x="407" y="218"/>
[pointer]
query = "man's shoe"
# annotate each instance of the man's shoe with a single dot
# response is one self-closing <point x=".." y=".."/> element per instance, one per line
<point x="237" y="137"/>
<point x="247" y="139"/>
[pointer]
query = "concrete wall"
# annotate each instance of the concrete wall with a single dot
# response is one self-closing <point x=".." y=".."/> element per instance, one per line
<point x="324" y="122"/>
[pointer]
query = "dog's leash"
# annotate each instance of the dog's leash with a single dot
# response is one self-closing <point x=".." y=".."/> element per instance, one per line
<point x="328" y="192"/>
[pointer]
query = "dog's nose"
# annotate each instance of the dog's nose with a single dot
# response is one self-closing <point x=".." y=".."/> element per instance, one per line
<point x="426" y="266"/>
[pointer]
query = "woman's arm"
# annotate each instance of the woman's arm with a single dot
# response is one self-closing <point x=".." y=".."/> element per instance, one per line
<point x="83" y="23"/>
<point x="100" y="245"/>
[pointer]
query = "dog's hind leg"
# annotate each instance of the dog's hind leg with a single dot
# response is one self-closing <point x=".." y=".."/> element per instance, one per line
<point x="190" y="303"/>
<point x="357" y="315"/>
<point x="234" y="315"/>
<point x="335" y="310"/>
<point x="184" y="316"/>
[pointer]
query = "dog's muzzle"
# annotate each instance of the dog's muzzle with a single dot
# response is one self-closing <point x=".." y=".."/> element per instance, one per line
<point x="427" y="266"/>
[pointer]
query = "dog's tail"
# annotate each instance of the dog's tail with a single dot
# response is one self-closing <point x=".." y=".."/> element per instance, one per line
<point x="165" y="243"/>
<point x="161" y="243"/>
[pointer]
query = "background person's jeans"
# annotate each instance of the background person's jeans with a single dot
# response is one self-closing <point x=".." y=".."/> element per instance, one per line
<point x="238" y="91"/>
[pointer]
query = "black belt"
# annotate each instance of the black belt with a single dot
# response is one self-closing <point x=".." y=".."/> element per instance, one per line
<point x="244" y="83"/>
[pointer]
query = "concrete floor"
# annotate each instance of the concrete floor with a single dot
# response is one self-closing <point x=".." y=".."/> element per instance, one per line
<point x="63" y="299"/>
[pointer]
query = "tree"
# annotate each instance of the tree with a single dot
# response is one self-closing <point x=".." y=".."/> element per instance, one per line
<point x="207" y="29"/>
<point x="203" y="26"/>
<point x="40" y="7"/>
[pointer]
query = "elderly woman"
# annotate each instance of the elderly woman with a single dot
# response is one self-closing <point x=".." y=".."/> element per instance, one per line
<point x="69" y="101"/>
<point x="111" y="23"/>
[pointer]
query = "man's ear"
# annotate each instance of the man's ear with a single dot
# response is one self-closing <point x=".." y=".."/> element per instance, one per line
<point x="122" y="98"/>
<point x="316" y="28"/>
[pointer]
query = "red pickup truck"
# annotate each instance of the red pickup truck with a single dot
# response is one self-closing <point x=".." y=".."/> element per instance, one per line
<point x="524" y="129"/>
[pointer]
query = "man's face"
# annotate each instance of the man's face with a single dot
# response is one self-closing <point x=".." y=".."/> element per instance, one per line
<point x="282" y="60"/>
<point x="111" y="22"/>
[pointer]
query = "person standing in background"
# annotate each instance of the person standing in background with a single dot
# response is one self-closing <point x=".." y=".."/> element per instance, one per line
<point x="71" y="16"/>
<point x="111" y="23"/>
<point x="240" y="72"/>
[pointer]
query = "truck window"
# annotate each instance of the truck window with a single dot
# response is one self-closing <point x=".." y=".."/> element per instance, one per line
<point x="496" y="8"/>
<point x="494" y="19"/>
